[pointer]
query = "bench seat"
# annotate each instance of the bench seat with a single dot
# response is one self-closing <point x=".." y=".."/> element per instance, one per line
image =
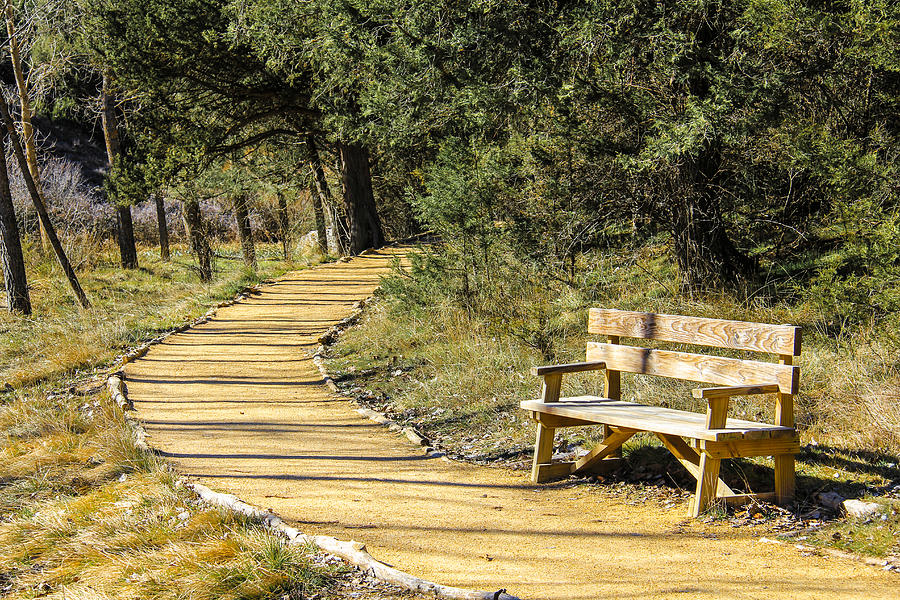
<point x="618" y="413"/>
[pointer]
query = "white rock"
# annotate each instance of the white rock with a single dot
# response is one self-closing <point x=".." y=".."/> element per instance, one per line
<point x="861" y="510"/>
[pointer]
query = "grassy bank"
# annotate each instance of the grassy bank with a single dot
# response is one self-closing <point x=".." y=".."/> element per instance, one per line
<point x="83" y="512"/>
<point x="459" y="377"/>
<point x="88" y="515"/>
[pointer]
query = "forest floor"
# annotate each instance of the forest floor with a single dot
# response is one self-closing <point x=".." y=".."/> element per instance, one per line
<point x="238" y="405"/>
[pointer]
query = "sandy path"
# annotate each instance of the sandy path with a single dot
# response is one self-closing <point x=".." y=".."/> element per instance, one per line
<point x="238" y="405"/>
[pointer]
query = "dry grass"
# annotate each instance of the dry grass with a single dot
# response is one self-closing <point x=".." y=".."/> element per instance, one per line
<point x="459" y="378"/>
<point x="86" y="514"/>
<point x="128" y="306"/>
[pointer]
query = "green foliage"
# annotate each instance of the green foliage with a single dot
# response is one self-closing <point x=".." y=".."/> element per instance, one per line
<point x="759" y="137"/>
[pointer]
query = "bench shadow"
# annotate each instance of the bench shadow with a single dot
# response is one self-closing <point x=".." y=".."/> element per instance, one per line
<point x="872" y="472"/>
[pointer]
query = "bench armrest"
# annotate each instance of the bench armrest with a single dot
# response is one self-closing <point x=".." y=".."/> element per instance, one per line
<point x="568" y="368"/>
<point x="734" y="390"/>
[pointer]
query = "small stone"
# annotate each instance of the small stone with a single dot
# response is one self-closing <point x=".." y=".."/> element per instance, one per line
<point x="861" y="510"/>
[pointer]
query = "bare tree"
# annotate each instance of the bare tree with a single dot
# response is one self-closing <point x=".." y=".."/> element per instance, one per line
<point x="14" y="277"/>
<point x="25" y="112"/>
<point x="39" y="205"/>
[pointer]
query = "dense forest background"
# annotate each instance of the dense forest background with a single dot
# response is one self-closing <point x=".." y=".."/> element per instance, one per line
<point x="739" y="150"/>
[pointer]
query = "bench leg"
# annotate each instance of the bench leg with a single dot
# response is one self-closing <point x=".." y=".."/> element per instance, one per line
<point x="610" y="447"/>
<point x="543" y="450"/>
<point x="706" y="484"/>
<point x="784" y="479"/>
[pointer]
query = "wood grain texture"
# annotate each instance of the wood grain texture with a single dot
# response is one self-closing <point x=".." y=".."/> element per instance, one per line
<point x="654" y="418"/>
<point x="742" y="448"/>
<point x="567" y="368"/>
<point x="706" y="484"/>
<point x="737" y="335"/>
<point x="716" y="370"/>
<point x="734" y="390"/>
<point x="543" y="450"/>
<point x="557" y="422"/>
<point x="612" y="443"/>
<point x="550" y="387"/>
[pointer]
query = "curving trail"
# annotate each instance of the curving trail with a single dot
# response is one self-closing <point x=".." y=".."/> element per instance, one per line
<point x="238" y="404"/>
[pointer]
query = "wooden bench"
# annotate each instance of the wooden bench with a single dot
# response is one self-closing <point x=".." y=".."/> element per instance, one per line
<point x="699" y="441"/>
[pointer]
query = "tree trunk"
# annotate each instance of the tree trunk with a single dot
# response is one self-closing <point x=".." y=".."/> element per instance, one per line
<point x="17" y="298"/>
<point x="284" y="225"/>
<point x="365" y="226"/>
<point x="163" y="227"/>
<point x="26" y="113"/>
<point x="39" y="206"/>
<point x="706" y="255"/>
<point x="338" y="226"/>
<point x="193" y="223"/>
<point x="705" y="252"/>
<point x="319" y="214"/>
<point x="245" y="232"/>
<point x="318" y="190"/>
<point x="125" y="235"/>
<point x="125" y="230"/>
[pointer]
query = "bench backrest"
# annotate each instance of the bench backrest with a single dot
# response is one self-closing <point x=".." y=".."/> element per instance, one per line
<point x="782" y="340"/>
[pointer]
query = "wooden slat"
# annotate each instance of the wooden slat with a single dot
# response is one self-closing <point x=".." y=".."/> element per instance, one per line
<point x="654" y="418"/>
<point x="542" y="473"/>
<point x="610" y="444"/>
<point x="734" y="390"/>
<point x="568" y="368"/>
<point x="716" y="370"/>
<point x="744" y="448"/>
<point x="738" y="335"/>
